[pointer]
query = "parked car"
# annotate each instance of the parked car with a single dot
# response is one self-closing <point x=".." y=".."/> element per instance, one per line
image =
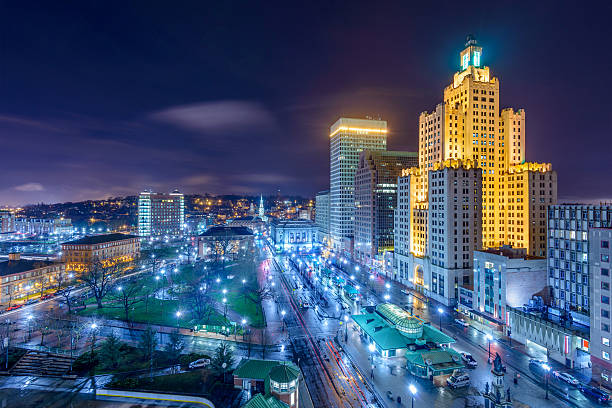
<point x="469" y="360"/>
<point x="458" y="379"/>
<point x="45" y="297"/>
<point x="461" y="322"/>
<point x="536" y="361"/>
<point x="8" y="309"/>
<point x="565" y="377"/>
<point x="200" y="363"/>
<point x="594" y="393"/>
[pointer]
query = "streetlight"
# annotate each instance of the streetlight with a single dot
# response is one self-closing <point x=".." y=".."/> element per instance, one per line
<point x="413" y="391"/>
<point x="440" y="313"/>
<point x="345" y="328"/>
<point x="489" y="338"/>
<point x="177" y="314"/>
<point x="371" y="348"/>
<point x="224" y="307"/>
<point x="546" y="368"/>
<point x="387" y="297"/>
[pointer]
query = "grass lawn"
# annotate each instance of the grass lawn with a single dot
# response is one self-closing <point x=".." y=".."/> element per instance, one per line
<point x="237" y="293"/>
<point x="160" y="312"/>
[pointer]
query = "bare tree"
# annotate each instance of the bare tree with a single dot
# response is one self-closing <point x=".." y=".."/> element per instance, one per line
<point x="127" y="294"/>
<point x="99" y="279"/>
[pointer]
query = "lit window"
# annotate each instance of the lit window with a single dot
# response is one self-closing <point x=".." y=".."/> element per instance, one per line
<point x="605" y="341"/>
<point x="605" y="355"/>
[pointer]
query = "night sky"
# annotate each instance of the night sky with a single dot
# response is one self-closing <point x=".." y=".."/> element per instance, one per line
<point x="109" y="98"/>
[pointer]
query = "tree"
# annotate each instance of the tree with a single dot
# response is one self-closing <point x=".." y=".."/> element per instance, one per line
<point x="65" y="291"/>
<point x="99" y="278"/>
<point x="175" y="346"/>
<point x="127" y="295"/>
<point x="147" y="343"/>
<point x="110" y="351"/>
<point x="223" y="359"/>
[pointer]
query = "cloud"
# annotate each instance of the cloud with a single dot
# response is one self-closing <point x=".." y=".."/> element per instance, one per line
<point x="216" y="116"/>
<point x="265" y="178"/>
<point x="198" y="180"/>
<point x="30" y="187"/>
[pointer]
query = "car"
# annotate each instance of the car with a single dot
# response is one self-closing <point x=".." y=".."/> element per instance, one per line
<point x="390" y="395"/>
<point x="461" y="322"/>
<point x="31" y="301"/>
<point x="594" y="393"/>
<point x="565" y="377"/>
<point x="45" y="297"/>
<point x="405" y="292"/>
<point x="200" y="363"/>
<point x="8" y="309"/>
<point x="458" y="379"/>
<point x="469" y="360"/>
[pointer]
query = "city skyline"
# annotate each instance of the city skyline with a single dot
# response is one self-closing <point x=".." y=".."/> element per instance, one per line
<point x="115" y="109"/>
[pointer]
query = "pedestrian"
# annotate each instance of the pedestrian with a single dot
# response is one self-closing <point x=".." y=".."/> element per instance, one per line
<point x="399" y="400"/>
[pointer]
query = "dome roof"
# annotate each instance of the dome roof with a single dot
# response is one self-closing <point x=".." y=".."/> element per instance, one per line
<point x="283" y="373"/>
<point x="403" y="321"/>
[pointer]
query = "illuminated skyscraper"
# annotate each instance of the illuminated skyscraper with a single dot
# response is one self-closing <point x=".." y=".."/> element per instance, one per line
<point x="161" y="214"/>
<point x="348" y="138"/>
<point x="467" y="131"/>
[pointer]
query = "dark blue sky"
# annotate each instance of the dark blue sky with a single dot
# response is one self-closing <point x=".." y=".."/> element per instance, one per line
<point x="109" y="98"/>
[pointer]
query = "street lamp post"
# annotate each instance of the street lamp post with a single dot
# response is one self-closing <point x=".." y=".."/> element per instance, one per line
<point x="546" y="368"/>
<point x="440" y="313"/>
<point x="345" y="328"/>
<point x="177" y="314"/>
<point x="489" y="338"/>
<point x="283" y="318"/>
<point x="243" y="325"/>
<point x="372" y="348"/>
<point x="413" y="392"/>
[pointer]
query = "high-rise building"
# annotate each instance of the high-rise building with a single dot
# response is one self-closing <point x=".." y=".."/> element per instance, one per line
<point x="434" y="240"/>
<point x="375" y="201"/>
<point x="7" y="221"/>
<point x="322" y="216"/>
<point x="600" y="241"/>
<point x="161" y="214"/>
<point x="348" y="138"/>
<point x="568" y="255"/>
<point x="467" y="127"/>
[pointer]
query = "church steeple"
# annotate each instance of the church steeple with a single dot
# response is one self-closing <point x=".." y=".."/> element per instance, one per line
<point x="261" y="207"/>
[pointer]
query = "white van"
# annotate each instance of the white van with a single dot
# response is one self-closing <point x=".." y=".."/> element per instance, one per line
<point x="458" y="379"/>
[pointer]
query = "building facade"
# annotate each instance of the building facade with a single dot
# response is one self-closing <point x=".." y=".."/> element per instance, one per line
<point x="434" y="240"/>
<point x="43" y="226"/>
<point x="20" y="278"/>
<point x="348" y="138"/>
<point x="468" y="127"/>
<point x="568" y="255"/>
<point x="293" y="235"/>
<point x="108" y="249"/>
<point x="322" y="216"/>
<point x="505" y="277"/>
<point x="7" y="222"/>
<point x="375" y="202"/>
<point x="161" y="214"/>
<point x="600" y="240"/>
<point x="223" y="243"/>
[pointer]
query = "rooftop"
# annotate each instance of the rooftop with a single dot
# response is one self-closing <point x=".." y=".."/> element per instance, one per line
<point x="292" y="223"/>
<point x="511" y="253"/>
<point x="224" y="231"/>
<point x="284" y="373"/>
<point x="260" y="401"/>
<point x="260" y="369"/>
<point x="100" y="239"/>
<point x="21" y="265"/>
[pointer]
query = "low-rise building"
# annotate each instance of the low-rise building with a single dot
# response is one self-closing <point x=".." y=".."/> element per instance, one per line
<point x="109" y="249"/>
<point x="505" y="277"/>
<point x="255" y="224"/>
<point x="226" y="243"/>
<point x="43" y="226"/>
<point x="396" y="333"/>
<point x="20" y="278"/>
<point x="293" y="235"/>
<point x="600" y="240"/>
<point x="270" y="381"/>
